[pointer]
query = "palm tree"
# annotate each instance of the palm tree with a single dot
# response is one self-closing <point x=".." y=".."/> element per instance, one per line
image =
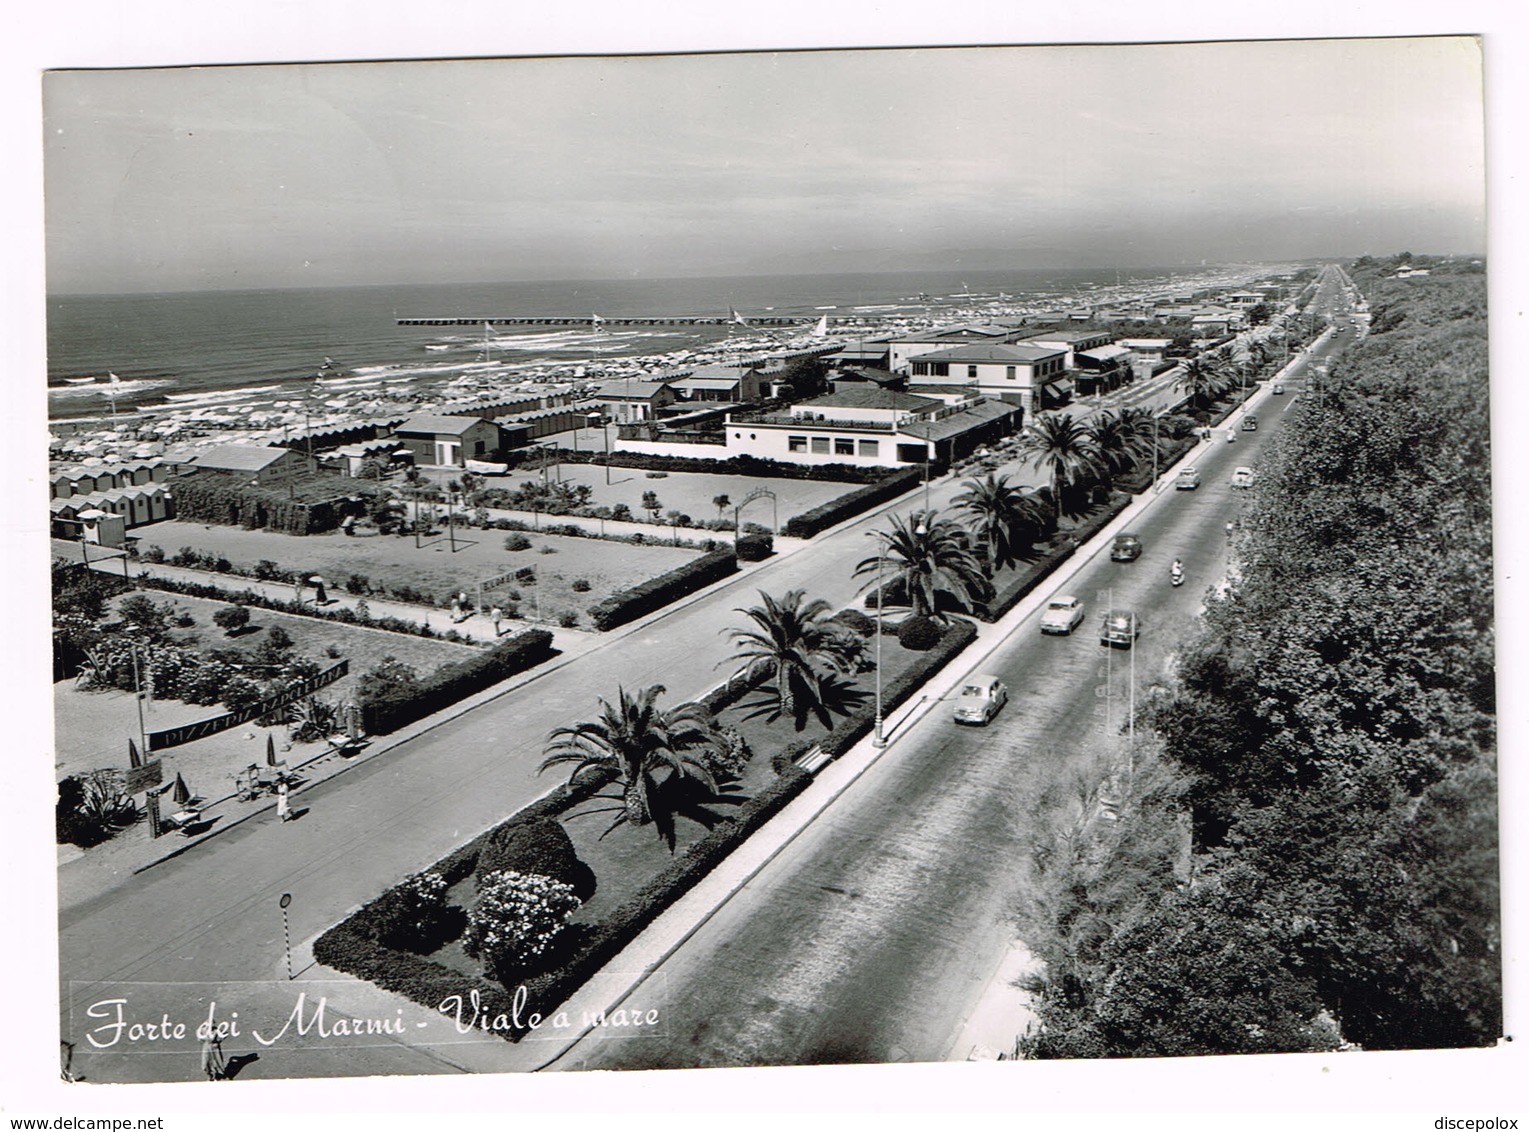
<point x="1000" y="511"/>
<point x="637" y="740"/>
<point x="1122" y="438"/>
<point x="1064" y="446"/>
<point x="795" y="640"/>
<point x="930" y="556"/>
<point x="1203" y="379"/>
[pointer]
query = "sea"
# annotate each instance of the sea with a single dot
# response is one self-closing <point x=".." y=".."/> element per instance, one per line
<point x="225" y="348"/>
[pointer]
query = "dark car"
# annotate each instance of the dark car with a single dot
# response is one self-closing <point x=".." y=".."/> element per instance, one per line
<point x="1120" y="627"/>
<point x="1250" y="423"/>
<point x="1127" y="548"/>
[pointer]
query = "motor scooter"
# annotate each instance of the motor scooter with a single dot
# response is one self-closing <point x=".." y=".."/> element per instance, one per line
<point x="1177" y="574"/>
<point x="1231" y="436"/>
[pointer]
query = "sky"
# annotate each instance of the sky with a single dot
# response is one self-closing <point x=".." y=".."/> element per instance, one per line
<point x="650" y="166"/>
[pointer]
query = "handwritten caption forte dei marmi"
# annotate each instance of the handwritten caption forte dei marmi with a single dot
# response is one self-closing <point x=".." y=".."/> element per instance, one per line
<point x="116" y="1027"/>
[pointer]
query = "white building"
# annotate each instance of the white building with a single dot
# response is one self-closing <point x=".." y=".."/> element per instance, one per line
<point x="1019" y="374"/>
<point x="873" y="426"/>
<point x="901" y="351"/>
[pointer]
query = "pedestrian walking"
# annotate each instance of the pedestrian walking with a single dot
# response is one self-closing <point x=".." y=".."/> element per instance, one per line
<point x="496" y="615"/>
<point x="213" y="1063"/>
<point x="348" y="524"/>
<point x="456" y="611"/>
<point x="283" y="806"/>
<point x="319" y="596"/>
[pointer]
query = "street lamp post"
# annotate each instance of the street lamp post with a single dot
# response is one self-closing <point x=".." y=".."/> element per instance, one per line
<point x="879" y="739"/>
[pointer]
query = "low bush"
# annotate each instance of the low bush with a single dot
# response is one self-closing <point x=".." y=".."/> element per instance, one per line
<point x="341" y="613"/>
<point x="388" y="708"/>
<point x="918" y="634"/>
<point x="855" y="621"/>
<point x="755" y="548"/>
<point x="537" y="845"/>
<point x="516" y="542"/>
<point x="629" y="604"/>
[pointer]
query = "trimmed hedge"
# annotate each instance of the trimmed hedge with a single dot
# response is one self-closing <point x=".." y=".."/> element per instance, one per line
<point x="341" y="613"/>
<point x="352" y="945"/>
<point x="538" y="845"/>
<point x="734" y="466"/>
<point x="857" y="502"/>
<point x="755" y="547"/>
<point x="1026" y="580"/>
<point x="655" y="593"/>
<point x="396" y="706"/>
<point x="918" y="634"/>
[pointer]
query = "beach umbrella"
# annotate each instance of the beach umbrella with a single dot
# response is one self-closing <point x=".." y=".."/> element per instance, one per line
<point x="270" y="750"/>
<point x="182" y="792"/>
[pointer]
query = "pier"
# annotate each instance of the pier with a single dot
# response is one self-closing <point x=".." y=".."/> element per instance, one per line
<point x="619" y="320"/>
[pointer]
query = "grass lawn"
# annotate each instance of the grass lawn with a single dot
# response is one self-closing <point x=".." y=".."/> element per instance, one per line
<point x="558" y="560"/>
<point x="690" y="493"/>
<point x="313" y="637"/>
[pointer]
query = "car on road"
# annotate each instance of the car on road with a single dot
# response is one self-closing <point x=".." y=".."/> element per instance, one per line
<point x="1278" y="389"/>
<point x="979" y="700"/>
<point x="1244" y="476"/>
<point x="1250" y="423"/>
<point x="1063" y="614"/>
<point x="1120" y="627"/>
<point x="1126" y="548"/>
<point x="1187" y="480"/>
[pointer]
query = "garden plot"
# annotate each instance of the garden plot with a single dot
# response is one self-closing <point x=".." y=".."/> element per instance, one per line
<point x="393" y="567"/>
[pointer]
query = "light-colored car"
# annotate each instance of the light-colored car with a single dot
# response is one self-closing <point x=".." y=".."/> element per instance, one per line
<point x="979" y="700"/>
<point x="1063" y="614"/>
<point x="1187" y="480"/>
<point x="1278" y="389"/>
<point x="1244" y="476"/>
<point x="1120" y="627"/>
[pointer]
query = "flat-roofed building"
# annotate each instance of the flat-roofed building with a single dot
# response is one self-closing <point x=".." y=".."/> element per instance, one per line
<point x="871" y="426"/>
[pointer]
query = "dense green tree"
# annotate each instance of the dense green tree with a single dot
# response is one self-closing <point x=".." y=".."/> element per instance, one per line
<point x="1335" y="720"/>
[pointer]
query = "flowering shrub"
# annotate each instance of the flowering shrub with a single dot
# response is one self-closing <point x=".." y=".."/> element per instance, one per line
<point x="516" y="918"/>
<point x="420" y="906"/>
